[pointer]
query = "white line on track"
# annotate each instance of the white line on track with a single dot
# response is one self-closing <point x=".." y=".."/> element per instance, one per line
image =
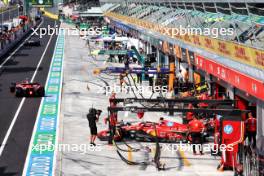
<point x="26" y="163"/>
<point x="23" y="100"/>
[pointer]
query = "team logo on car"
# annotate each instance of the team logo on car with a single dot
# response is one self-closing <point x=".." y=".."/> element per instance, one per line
<point x="228" y="129"/>
<point x="170" y="124"/>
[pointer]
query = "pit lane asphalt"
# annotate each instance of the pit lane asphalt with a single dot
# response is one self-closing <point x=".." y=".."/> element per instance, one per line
<point x="21" y="66"/>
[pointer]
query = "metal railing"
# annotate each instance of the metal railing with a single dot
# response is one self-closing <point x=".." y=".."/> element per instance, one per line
<point x="9" y="14"/>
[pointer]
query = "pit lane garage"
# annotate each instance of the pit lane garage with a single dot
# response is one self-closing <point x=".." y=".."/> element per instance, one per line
<point x="217" y="119"/>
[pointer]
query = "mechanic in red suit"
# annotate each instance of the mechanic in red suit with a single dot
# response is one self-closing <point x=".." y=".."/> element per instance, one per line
<point x="112" y="119"/>
<point x="189" y="115"/>
<point x="204" y="96"/>
<point x="196" y="128"/>
<point x="112" y="97"/>
<point x="251" y="128"/>
<point x="113" y="116"/>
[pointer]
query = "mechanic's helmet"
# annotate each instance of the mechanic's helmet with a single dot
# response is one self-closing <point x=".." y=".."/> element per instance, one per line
<point x="113" y="93"/>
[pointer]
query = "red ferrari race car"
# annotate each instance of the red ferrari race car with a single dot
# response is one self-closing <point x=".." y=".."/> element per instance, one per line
<point x="167" y="131"/>
<point x="27" y="89"/>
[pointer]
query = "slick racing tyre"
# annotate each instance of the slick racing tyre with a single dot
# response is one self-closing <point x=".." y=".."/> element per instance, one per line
<point x="41" y="92"/>
<point x="143" y="137"/>
<point x="19" y="92"/>
<point x="12" y="87"/>
<point x="132" y="134"/>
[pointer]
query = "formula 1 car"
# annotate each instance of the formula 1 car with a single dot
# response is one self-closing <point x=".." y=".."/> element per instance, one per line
<point x="167" y="131"/>
<point x="27" y="89"/>
<point x="32" y="42"/>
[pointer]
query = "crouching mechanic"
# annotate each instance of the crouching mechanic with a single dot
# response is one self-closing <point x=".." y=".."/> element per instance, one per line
<point x="93" y="117"/>
<point x="196" y="128"/>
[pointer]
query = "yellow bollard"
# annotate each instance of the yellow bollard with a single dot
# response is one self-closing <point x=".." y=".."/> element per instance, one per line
<point x="129" y="154"/>
<point x="153" y="151"/>
<point x="96" y="71"/>
<point x="185" y="160"/>
<point x="220" y="168"/>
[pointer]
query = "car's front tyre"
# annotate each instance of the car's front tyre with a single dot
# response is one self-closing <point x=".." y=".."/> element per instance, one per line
<point x="12" y="87"/>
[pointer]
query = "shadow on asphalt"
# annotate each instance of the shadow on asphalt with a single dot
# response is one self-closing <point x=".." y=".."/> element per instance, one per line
<point x="11" y="62"/>
<point x="26" y="48"/>
<point x="20" y="55"/>
<point x="3" y="173"/>
<point x="21" y="69"/>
